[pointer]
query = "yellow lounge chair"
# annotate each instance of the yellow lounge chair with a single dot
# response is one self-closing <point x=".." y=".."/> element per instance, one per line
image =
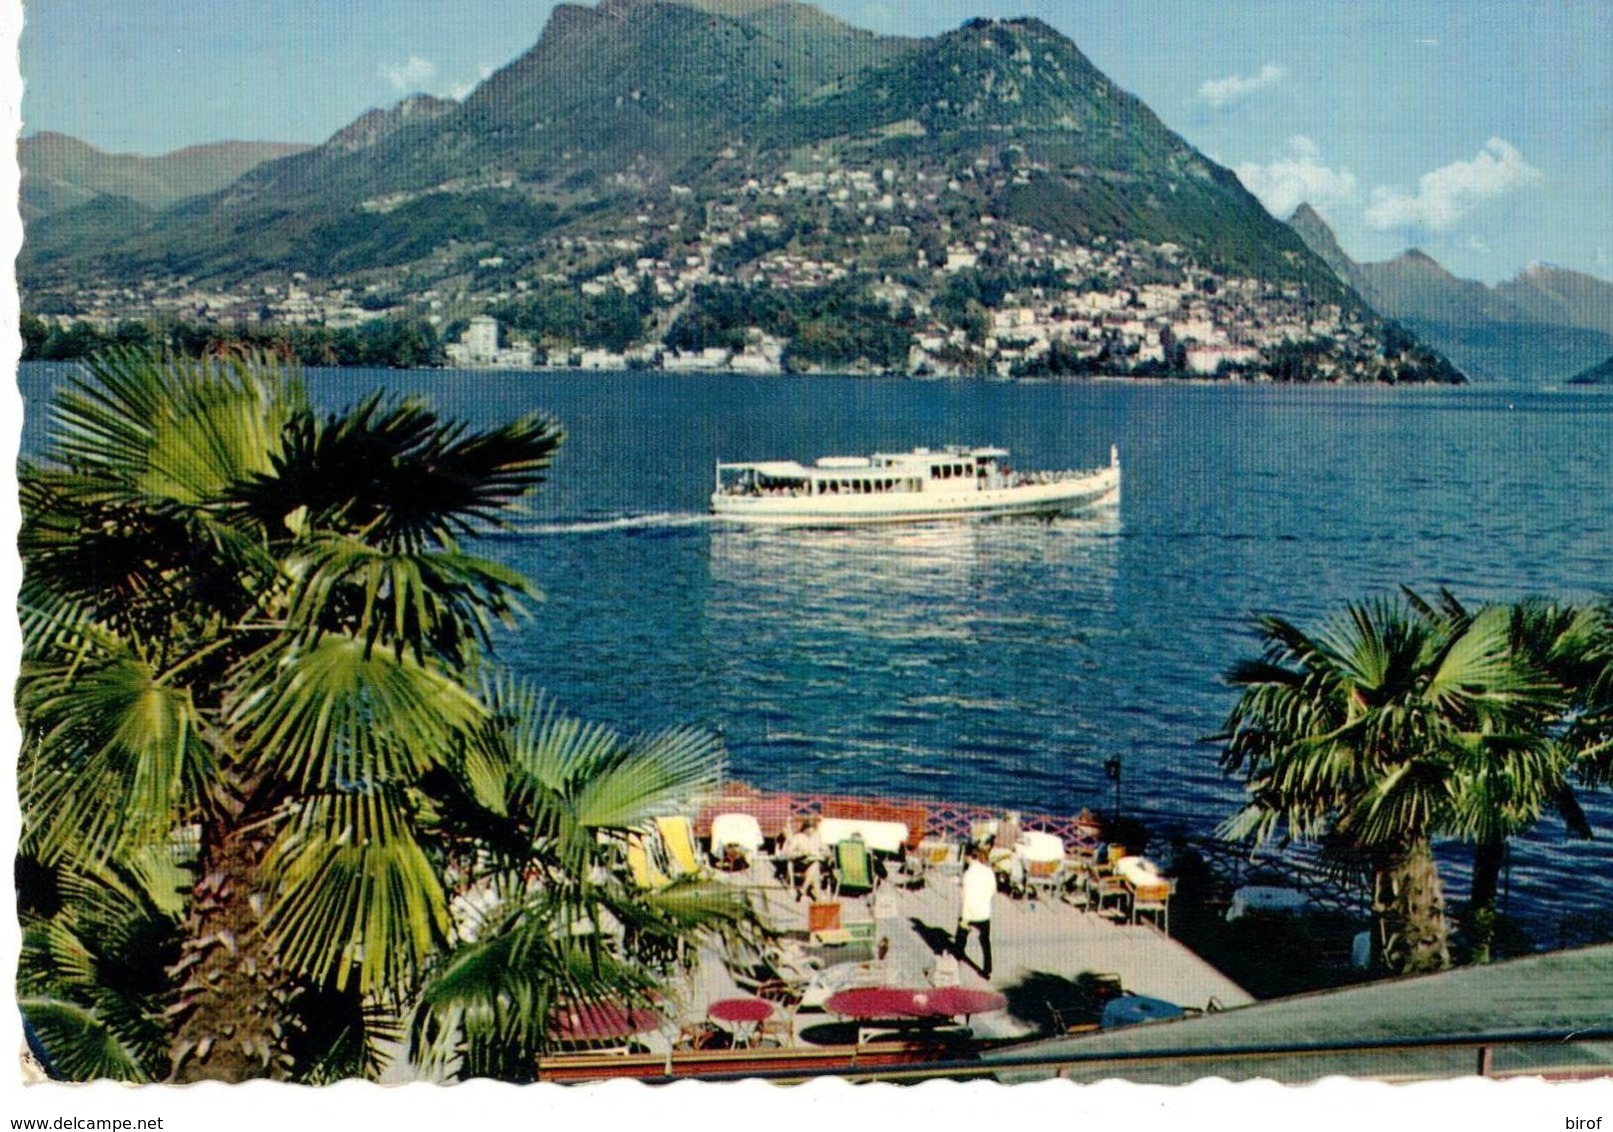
<point x="642" y="865"/>
<point x="678" y="838"/>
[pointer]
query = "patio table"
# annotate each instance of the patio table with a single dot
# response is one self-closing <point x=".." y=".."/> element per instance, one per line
<point x="922" y="1003"/>
<point x="741" y="1016"/>
<point x="951" y="1002"/>
<point x="602" y="1021"/>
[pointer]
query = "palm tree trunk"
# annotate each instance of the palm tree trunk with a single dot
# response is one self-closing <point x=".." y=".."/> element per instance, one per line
<point x="233" y="997"/>
<point x="1409" y="904"/>
<point x="1488" y="857"/>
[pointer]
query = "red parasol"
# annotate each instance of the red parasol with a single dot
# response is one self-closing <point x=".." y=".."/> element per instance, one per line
<point x="601" y="1021"/>
<point x="953" y="1001"/>
<point x="738" y="1010"/>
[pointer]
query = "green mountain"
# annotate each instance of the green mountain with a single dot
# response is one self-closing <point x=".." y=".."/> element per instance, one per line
<point x="616" y="104"/>
<point x="59" y="172"/>
<point x="1542" y="326"/>
<point x="717" y="174"/>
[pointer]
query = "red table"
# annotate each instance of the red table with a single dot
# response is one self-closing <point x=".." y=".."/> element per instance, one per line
<point x="743" y="1015"/>
<point x="899" y="1002"/>
<point x="601" y="1021"/>
<point x="953" y="1001"/>
<point x="877" y="1002"/>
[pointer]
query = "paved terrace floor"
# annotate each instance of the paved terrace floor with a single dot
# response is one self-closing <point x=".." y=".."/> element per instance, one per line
<point x="1047" y="935"/>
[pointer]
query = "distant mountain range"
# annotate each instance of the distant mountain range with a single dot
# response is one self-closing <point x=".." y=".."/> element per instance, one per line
<point x="60" y="172"/>
<point x="661" y="146"/>
<point x="1545" y="325"/>
<point x="616" y="104"/>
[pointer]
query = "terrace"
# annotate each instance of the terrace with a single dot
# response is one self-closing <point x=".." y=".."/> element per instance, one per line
<point x="1056" y="938"/>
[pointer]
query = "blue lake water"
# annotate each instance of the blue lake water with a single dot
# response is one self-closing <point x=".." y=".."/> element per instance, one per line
<point x="1003" y="663"/>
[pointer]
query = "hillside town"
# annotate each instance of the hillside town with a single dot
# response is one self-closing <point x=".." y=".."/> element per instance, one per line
<point x="978" y="295"/>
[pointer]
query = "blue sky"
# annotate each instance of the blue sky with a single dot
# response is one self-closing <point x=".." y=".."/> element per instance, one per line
<point x="1479" y="130"/>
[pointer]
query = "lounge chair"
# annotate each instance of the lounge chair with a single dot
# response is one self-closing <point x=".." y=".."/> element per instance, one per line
<point x="642" y="865"/>
<point x="780" y="974"/>
<point x="854" y="868"/>
<point x="677" y="835"/>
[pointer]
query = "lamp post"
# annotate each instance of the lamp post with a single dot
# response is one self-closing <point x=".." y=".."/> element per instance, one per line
<point x="1111" y="771"/>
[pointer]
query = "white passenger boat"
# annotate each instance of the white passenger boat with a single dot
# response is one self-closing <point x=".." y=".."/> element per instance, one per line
<point x="925" y="484"/>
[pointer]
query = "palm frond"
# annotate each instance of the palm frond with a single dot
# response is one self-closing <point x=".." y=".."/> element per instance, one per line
<point x="439" y="601"/>
<point x="335" y="715"/>
<point x="358" y="901"/>
<point x="399" y="473"/>
<point x="80" y="1044"/>
<point x="179" y="429"/>
<point x="113" y="757"/>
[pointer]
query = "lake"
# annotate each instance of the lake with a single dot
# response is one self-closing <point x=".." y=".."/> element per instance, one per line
<point x="1004" y="663"/>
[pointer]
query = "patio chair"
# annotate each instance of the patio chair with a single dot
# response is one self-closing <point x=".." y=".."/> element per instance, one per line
<point x="1041" y="858"/>
<point x="854" y="868"/>
<point x="1044" y="878"/>
<point x="677" y="835"/>
<point x="1154" y="900"/>
<point x="1106" y="885"/>
<point x="780" y="973"/>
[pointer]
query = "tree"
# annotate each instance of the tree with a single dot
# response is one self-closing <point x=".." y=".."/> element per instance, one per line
<point x="246" y="630"/>
<point x="1565" y="651"/>
<point x="538" y="843"/>
<point x="1373" y="733"/>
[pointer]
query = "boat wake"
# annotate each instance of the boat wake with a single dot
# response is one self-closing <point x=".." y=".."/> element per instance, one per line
<point x="660" y="520"/>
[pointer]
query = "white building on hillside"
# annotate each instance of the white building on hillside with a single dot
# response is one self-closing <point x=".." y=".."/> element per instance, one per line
<point x="478" y="348"/>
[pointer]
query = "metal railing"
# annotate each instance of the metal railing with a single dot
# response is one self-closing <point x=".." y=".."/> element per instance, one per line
<point x="1478" y="1051"/>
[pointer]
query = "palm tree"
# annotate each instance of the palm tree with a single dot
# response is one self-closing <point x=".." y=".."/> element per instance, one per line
<point x="1567" y="652"/>
<point x="1369" y="733"/>
<point x="90" y="977"/>
<point x="246" y="628"/>
<point x="540" y="844"/>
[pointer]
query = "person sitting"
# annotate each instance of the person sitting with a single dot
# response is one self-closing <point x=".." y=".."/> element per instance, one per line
<point x="805" y="851"/>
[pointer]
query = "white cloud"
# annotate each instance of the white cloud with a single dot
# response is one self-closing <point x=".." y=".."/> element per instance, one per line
<point x="1446" y="195"/>
<point x="1235" y="88"/>
<point x="410" y="76"/>
<point x="460" y="91"/>
<point x="1298" y="177"/>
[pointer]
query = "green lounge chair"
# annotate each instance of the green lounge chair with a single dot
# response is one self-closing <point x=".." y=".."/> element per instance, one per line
<point x="854" y="868"/>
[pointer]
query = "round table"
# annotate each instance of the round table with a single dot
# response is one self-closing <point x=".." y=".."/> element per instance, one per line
<point x="741" y="1015"/>
<point x="950" y="1002"/>
<point x="601" y="1021"/>
<point x="1132" y="1009"/>
<point x="900" y="1002"/>
<point x="875" y="1002"/>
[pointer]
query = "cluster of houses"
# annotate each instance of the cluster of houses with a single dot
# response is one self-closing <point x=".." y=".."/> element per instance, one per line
<point x="1124" y="304"/>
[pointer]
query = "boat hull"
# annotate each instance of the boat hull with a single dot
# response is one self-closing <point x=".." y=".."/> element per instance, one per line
<point x="1060" y="496"/>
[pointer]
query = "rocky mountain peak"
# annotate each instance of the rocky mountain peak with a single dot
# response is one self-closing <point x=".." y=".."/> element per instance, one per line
<point x="374" y="125"/>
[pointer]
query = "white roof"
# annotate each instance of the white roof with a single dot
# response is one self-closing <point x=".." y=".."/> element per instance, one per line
<point x="830" y="465"/>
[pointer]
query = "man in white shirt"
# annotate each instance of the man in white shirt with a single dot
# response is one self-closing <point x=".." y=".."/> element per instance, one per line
<point x="978" y="888"/>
